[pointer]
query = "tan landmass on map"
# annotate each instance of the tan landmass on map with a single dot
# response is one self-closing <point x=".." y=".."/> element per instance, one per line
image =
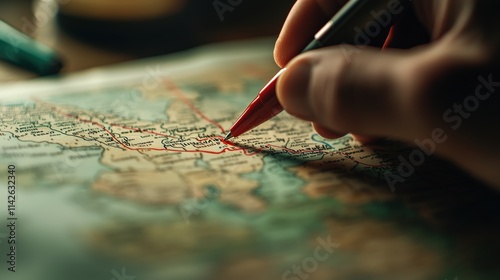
<point x="167" y="162"/>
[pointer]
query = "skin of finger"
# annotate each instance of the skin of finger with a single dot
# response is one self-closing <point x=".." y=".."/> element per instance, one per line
<point x="304" y="20"/>
<point x="462" y="148"/>
<point x="344" y="94"/>
<point x="370" y="93"/>
<point x="471" y="146"/>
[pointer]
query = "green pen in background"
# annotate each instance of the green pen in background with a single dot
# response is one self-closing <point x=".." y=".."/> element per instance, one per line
<point x="20" y="50"/>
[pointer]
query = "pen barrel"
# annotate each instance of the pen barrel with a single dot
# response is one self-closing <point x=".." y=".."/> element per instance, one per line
<point x="361" y="23"/>
<point x="258" y="112"/>
<point x="261" y="109"/>
<point x="270" y="105"/>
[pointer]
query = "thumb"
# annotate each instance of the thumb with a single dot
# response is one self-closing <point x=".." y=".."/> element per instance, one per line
<point x="347" y="89"/>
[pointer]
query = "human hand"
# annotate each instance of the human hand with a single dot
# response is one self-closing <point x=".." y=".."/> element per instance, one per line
<point x="441" y="95"/>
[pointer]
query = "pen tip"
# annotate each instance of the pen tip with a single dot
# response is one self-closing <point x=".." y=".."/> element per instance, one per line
<point x="228" y="136"/>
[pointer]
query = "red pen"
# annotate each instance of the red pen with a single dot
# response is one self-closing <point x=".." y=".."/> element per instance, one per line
<point x="359" y="22"/>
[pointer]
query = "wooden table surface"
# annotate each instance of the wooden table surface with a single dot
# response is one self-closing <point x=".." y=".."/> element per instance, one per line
<point x="39" y="19"/>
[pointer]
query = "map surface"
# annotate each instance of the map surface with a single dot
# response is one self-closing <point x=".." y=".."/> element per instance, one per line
<point x="122" y="173"/>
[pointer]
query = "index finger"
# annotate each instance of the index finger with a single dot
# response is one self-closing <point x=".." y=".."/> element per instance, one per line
<point x="304" y="20"/>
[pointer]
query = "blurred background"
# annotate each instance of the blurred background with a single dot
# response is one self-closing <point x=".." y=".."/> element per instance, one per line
<point x="89" y="33"/>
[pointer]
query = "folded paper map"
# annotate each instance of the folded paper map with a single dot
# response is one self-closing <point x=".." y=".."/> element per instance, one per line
<point x="122" y="173"/>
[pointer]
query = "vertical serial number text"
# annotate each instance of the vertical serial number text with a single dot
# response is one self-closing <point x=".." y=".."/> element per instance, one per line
<point x="11" y="218"/>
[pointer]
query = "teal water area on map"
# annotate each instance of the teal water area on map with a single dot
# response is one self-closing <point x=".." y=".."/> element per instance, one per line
<point x="236" y="99"/>
<point x="51" y="164"/>
<point x="124" y="102"/>
<point x="278" y="184"/>
<point x="49" y="179"/>
<point x="58" y="215"/>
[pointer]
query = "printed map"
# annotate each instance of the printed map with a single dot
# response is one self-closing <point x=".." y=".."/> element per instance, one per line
<point x="123" y="174"/>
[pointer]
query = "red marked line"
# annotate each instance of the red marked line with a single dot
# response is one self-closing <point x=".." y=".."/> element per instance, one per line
<point x="178" y="92"/>
<point x="142" y="131"/>
<point x="233" y="147"/>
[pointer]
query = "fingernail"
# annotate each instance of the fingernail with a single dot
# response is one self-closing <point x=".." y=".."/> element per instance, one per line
<point x="293" y="90"/>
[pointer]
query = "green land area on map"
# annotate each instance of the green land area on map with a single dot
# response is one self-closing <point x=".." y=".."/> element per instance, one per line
<point x="122" y="172"/>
